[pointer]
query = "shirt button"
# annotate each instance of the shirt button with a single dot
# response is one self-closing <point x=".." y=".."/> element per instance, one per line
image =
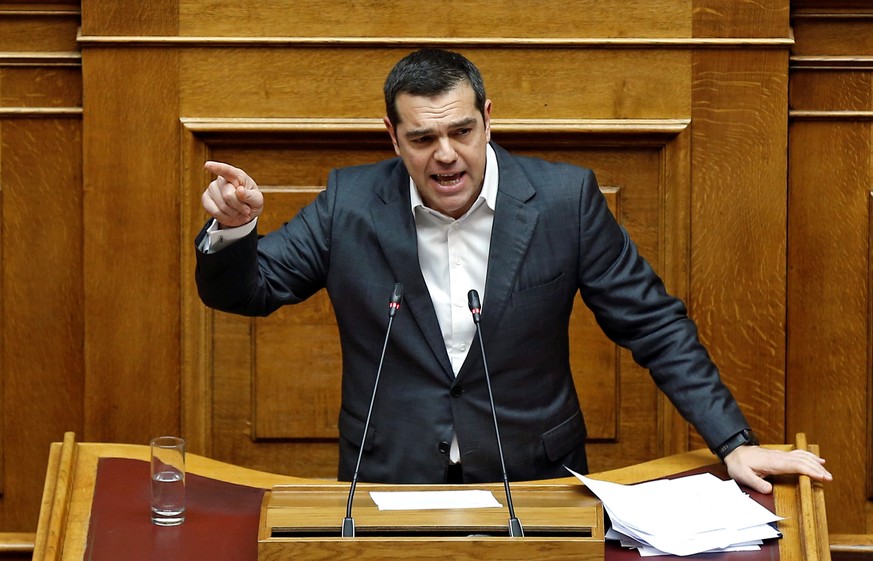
<point x="457" y="391"/>
<point x="445" y="447"/>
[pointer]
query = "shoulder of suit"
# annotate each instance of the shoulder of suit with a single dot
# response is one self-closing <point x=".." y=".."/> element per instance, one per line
<point x="357" y="186"/>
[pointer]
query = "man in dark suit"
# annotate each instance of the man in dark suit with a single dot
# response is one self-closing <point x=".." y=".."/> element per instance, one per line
<point x="456" y="212"/>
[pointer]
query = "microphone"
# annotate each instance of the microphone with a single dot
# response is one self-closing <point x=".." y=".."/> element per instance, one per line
<point x="348" y="530"/>
<point x="515" y="529"/>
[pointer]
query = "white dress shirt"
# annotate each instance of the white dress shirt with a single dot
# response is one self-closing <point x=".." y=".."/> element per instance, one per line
<point x="453" y="256"/>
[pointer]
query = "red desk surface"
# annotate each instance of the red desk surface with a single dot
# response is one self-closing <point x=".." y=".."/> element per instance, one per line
<point x="221" y="521"/>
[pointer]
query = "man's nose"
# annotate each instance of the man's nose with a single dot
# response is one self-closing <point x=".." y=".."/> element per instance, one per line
<point x="445" y="152"/>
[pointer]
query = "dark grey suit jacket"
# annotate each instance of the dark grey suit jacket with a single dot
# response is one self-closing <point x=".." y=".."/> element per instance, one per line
<point x="552" y="236"/>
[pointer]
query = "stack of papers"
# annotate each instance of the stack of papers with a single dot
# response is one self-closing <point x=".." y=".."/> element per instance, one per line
<point x="683" y="516"/>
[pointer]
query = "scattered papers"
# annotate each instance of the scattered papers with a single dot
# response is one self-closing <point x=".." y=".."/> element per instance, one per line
<point x="683" y="516"/>
<point x="430" y="500"/>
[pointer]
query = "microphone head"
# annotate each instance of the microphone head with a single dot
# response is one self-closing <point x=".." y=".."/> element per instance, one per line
<point x="397" y="294"/>
<point x="473" y="300"/>
<point x="394" y="301"/>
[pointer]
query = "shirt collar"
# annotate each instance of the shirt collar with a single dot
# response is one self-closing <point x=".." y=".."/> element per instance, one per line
<point x="489" y="185"/>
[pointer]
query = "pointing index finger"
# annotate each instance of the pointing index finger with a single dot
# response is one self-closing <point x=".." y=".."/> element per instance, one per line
<point x="230" y="173"/>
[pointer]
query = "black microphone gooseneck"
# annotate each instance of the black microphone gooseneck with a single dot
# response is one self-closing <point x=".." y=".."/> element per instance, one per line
<point x="348" y="530"/>
<point x="515" y="529"/>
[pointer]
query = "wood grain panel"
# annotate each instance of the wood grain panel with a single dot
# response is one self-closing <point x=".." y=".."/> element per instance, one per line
<point x="829" y="299"/>
<point x="738" y="226"/>
<point x="41" y="316"/>
<point x="834" y="33"/>
<point x="297" y="357"/>
<point x="707" y="203"/>
<point x="738" y="206"/>
<point x="130" y="17"/>
<point x="38" y="30"/>
<point x="42" y="319"/>
<point x="832" y="90"/>
<point x="740" y="18"/>
<point x="450" y="18"/>
<point x="132" y="292"/>
<point x="828" y="308"/>
<point x="41" y="86"/>
<point x="522" y="83"/>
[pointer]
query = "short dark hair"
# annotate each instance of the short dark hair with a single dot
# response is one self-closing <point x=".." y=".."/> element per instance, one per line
<point x="431" y="72"/>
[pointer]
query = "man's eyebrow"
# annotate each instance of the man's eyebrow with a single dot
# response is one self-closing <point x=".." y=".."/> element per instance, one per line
<point x="465" y="122"/>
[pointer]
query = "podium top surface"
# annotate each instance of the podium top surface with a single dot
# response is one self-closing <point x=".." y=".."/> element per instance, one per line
<point x="71" y="481"/>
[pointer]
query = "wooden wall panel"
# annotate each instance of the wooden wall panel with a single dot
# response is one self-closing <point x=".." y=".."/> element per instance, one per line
<point x="327" y="81"/>
<point x="829" y="286"/>
<point x="739" y="209"/>
<point x="41" y="315"/>
<point x="740" y="18"/>
<point x="41" y="29"/>
<point x="450" y="18"/>
<point x="131" y="245"/>
<point x="705" y="194"/>
<point x="830" y="375"/>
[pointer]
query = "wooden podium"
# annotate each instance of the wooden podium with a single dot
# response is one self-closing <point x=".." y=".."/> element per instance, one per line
<point x="71" y="498"/>
<point x="561" y="520"/>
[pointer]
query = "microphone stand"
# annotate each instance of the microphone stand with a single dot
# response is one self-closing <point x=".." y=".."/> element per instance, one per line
<point x="515" y="529"/>
<point x="348" y="529"/>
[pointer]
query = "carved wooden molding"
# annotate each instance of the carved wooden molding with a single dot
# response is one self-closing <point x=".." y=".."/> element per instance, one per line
<point x="812" y="115"/>
<point x="448" y="42"/>
<point x="830" y="63"/>
<point x="39" y="112"/>
<point x="218" y="128"/>
<point x="40" y="59"/>
<point x="869" y="344"/>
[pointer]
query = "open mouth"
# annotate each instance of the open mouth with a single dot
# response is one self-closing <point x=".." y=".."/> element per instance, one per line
<point x="448" y="179"/>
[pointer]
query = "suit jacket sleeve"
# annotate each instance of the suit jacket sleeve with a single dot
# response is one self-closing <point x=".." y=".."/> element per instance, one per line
<point x="633" y="308"/>
<point x="256" y="275"/>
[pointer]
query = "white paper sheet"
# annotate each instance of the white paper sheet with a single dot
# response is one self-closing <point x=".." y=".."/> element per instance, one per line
<point x="431" y="500"/>
<point x="684" y="516"/>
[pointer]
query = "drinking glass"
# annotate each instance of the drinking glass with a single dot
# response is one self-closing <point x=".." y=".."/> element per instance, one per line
<point x="168" y="480"/>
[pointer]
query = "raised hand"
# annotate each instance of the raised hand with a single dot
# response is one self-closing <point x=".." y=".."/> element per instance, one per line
<point x="233" y="198"/>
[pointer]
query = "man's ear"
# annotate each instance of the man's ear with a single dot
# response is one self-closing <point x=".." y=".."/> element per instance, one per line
<point x="392" y="133"/>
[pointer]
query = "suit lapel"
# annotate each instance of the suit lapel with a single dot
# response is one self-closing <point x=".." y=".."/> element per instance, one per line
<point x="395" y="228"/>
<point x="511" y="234"/>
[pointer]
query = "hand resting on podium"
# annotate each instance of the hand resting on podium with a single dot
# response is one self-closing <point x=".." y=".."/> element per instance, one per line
<point x="748" y="465"/>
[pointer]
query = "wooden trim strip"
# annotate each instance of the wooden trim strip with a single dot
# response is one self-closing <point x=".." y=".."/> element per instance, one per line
<point x="8" y="12"/>
<point x="869" y="419"/>
<point x="830" y="15"/>
<point x="10" y="58"/>
<point x="16" y="542"/>
<point x="56" y="498"/>
<point x="857" y="544"/>
<point x="39" y="112"/>
<point x="830" y="63"/>
<point x="813" y="115"/>
<point x="455" y="42"/>
<point x="669" y="127"/>
<point x="811" y="507"/>
<point x="808" y="535"/>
